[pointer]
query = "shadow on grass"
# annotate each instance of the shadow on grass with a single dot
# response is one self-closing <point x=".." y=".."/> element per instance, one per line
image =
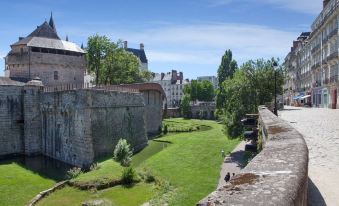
<point x="42" y="165"/>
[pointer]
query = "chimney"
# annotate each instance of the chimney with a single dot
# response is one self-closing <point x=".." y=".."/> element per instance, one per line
<point x="181" y="76"/>
<point x="295" y="44"/>
<point x="21" y="38"/>
<point x="125" y="44"/>
<point x="142" y="46"/>
<point x="325" y="2"/>
<point x="174" y="74"/>
<point x="162" y="76"/>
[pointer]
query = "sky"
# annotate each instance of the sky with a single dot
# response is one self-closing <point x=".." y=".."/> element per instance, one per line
<point x="187" y="35"/>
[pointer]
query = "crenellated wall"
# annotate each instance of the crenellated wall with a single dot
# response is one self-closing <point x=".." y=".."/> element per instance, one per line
<point x="277" y="176"/>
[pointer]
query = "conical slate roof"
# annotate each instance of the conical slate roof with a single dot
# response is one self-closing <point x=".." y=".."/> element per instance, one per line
<point x="45" y="30"/>
<point x="51" y="23"/>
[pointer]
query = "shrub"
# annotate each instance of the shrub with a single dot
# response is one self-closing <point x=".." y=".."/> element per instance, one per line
<point x="74" y="172"/>
<point x="94" y="166"/>
<point x="128" y="176"/>
<point x="165" y="129"/>
<point x="146" y="175"/>
<point x="123" y="153"/>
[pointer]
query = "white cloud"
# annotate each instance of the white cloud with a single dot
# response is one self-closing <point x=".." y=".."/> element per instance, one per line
<point x="302" y="6"/>
<point x="205" y="43"/>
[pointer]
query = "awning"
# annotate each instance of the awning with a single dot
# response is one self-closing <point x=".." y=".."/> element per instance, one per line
<point x="304" y="97"/>
<point x="298" y="97"/>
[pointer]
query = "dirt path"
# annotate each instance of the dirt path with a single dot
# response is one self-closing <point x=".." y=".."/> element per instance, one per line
<point x="233" y="163"/>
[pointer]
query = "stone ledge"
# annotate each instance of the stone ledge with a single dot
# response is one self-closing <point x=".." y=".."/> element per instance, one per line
<point x="276" y="176"/>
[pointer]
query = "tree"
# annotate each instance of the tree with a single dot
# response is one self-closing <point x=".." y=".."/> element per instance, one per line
<point x="226" y="70"/>
<point x="251" y="85"/>
<point x="112" y="64"/>
<point x="97" y="47"/>
<point x="123" y="153"/>
<point x="199" y="90"/>
<point x="185" y="106"/>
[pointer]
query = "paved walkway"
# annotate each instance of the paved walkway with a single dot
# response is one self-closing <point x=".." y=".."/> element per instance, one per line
<point x="320" y="128"/>
<point x="232" y="163"/>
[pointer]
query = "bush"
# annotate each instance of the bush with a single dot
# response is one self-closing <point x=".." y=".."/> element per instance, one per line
<point x="128" y="176"/>
<point x="123" y="153"/>
<point x="146" y="175"/>
<point x="165" y="129"/>
<point x="94" y="166"/>
<point x="74" y="172"/>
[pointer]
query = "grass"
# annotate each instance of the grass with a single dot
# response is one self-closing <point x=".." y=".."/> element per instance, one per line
<point x="190" y="162"/>
<point x="115" y="196"/>
<point x="18" y="185"/>
<point x="180" y="125"/>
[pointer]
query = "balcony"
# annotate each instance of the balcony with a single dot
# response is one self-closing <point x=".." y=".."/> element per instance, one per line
<point x="316" y="48"/>
<point x="334" y="79"/>
<point x="315" y="66"/>
<point x="332" y="56"/>
<point x="333" y="33"/>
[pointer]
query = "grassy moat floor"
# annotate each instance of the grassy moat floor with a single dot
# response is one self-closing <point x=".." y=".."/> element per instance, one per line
<point x="186" y="161"/>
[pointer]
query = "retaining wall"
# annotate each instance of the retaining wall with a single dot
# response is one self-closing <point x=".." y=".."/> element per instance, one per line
<point x="278" y="175"/>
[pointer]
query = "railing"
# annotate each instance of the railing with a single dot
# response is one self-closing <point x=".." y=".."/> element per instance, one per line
<point x="316" y="48"/>
<point x="334" y="78"/>
<point x="69" y="87"/>
<point x="332" y="56"/>
<point x="332" y="33"/>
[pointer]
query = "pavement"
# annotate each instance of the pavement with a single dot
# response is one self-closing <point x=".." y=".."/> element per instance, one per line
<point x="233" y="163"/>
<point x="320" y="127"/>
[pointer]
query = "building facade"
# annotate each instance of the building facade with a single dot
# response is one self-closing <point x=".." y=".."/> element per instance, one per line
<point x="43" y="54"/>
<point x="313" y="63"/>
<point x="173" y="84"/>
<point x="212" y="79"/>
<point x="140" y="53"/>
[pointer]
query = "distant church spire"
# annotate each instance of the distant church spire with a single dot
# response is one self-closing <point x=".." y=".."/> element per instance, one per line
<point x="82" y="45"/>
<point x="66" y="37"/>
<point x="51" y="22"/>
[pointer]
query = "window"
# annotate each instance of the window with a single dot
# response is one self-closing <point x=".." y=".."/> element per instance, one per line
<point x="56" y="77"/>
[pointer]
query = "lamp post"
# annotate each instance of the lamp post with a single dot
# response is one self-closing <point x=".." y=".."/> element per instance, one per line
<point x="275" y="110"/>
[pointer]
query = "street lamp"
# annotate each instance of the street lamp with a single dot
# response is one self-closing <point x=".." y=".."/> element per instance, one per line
<point x="275" y="111"/>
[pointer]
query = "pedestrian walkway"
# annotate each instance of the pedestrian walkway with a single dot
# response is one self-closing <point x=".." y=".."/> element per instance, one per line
<point x="320" y="129"/>
<point x="233" y="162"/>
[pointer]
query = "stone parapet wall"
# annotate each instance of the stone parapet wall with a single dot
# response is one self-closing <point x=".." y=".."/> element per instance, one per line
<point x="278" y="175"/>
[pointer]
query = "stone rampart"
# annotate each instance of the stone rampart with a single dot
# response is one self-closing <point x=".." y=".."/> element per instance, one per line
<point x="11" y="120"/>
<point x="79" y="126"/>
<point x="278" y="175"/>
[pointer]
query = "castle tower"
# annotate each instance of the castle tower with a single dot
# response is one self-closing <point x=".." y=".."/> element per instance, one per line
<point x="43" y="54"/>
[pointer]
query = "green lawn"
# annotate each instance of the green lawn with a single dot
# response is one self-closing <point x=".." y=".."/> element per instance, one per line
<point x="116" y="196"/>
<point x="19" y="185"/>
<point x="190" y="162"/>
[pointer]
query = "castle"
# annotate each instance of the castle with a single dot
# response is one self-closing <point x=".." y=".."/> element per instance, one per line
<point x="69" y="122"/>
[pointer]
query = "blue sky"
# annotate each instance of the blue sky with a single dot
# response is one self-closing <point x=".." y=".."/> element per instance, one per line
<point x="187" y="35"/>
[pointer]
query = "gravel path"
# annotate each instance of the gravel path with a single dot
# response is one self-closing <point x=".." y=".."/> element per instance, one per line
<point x="320" y="128"/>
<point x="232" y="163"/>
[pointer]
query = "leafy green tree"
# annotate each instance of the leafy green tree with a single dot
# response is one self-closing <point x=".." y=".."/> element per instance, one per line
<point x="97" y="47"/>
<point x="205" y="91"/>
<point x="251" y="85"/>
<point x="226" y="70"/>
<point x="185" y="106"/>
<point x="123" y="153"/>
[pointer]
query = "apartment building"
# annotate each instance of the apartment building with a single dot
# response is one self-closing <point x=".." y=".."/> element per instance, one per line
<point x="313" y="63"/>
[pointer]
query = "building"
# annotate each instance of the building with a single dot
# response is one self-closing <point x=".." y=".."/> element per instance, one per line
<point x="43" y="54"/>
<point x="140" y="53"/>
<point x="173" y="84"/>
<point x="65" y="120"/>
<point x="212" y="79"/>
<point x="313" y="63"/>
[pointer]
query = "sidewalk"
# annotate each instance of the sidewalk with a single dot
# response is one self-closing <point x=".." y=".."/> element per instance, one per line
<point x="232" y="163"/>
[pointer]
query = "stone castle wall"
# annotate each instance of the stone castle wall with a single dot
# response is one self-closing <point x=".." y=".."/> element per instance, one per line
<point x="80" y="126"/>
<point x="154" y="112"/>
<point x="70" y="69"/>
<point x="278" y="175"/>
<point x="11" y="120"/>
